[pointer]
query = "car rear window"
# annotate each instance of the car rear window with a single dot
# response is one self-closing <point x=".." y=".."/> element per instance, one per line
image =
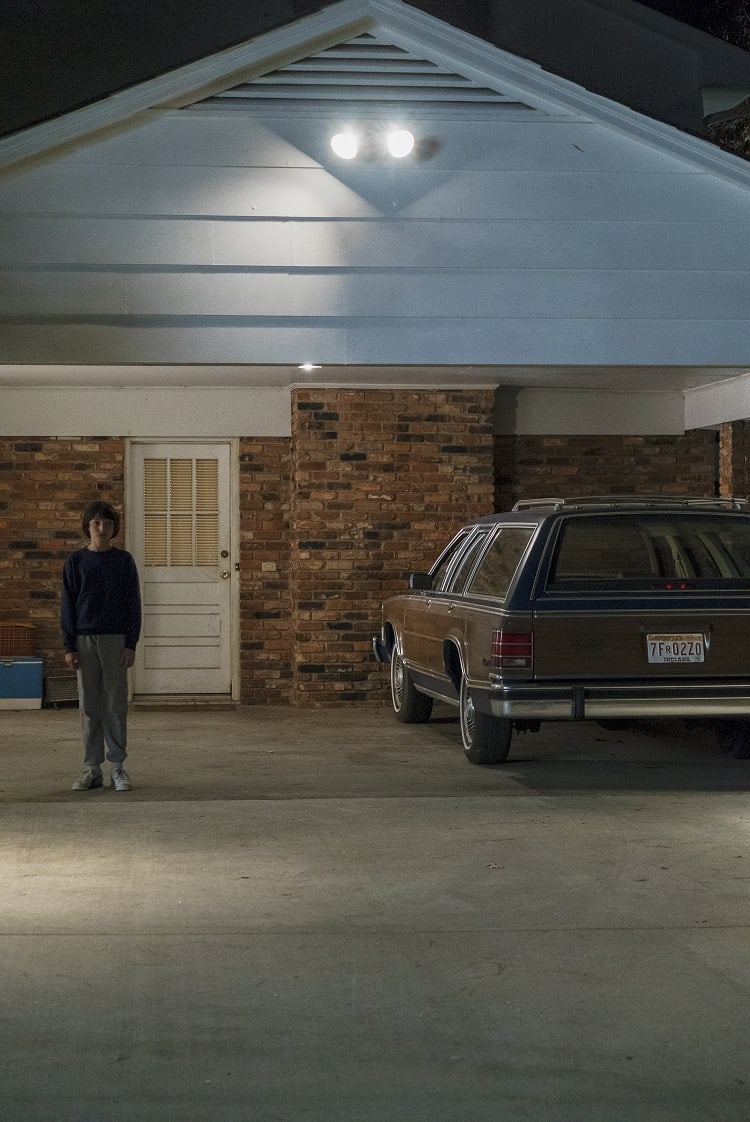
<point x="652" y="547"/>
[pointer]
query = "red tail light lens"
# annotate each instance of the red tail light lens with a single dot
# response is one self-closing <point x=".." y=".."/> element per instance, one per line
<point x="512" y="650"/>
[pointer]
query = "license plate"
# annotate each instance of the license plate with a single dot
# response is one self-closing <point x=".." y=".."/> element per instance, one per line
<point x="675" y="648"/>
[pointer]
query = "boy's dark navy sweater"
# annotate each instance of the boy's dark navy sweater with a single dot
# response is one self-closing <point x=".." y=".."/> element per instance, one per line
<point x="100" y="596"/>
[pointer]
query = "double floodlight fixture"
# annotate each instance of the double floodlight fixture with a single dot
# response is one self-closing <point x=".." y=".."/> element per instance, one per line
<point x="350" y="143"/>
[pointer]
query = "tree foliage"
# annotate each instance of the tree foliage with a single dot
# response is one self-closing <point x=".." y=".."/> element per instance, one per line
<point x="731" y="21"/>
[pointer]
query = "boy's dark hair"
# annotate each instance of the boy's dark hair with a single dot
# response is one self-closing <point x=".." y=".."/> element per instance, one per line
<point x="99" y="509"/>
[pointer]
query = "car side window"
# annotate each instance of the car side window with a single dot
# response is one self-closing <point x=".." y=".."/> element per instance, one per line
<point x="447" y="558"/>
<point x="498" y="566"/>
<point x="458" y="580"/>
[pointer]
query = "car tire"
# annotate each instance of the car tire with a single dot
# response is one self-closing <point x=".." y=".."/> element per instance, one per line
<point x="410" y="706"/>
<point x="486" y="739"/>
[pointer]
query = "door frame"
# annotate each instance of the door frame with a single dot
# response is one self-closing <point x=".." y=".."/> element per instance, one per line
<point x="234" y="527"/>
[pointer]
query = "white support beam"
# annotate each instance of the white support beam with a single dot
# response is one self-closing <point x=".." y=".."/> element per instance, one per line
<point x="184" y="411"/>
<point x="553" y="412"/>
<point x="727" y="400"/>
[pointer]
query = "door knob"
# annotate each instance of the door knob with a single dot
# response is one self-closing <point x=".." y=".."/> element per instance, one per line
<point x="224" y="574"/>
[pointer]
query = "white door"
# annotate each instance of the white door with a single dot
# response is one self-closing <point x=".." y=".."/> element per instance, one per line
<point x="180" y="535"/>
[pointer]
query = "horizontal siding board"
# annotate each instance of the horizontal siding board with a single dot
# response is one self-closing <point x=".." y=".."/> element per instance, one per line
<point x="185" y="139"/>
<point x="64" y="293"/>
<point x="386" y="342"/>
<point x="64" y="241"/>
<point x="74" y="343"/>
<point x="503" y="295"/>
<point x="511" y="244"/>
<point x="407" y="295"/>
<point x="238" y="139"/>
<point x="572" y="197"/>
<point x="583" y="342"/>
<point x="99" y="191"/>
<point x="39" y="240"/>
<point x="315" y="193"/>
<point x="382" y="243"/>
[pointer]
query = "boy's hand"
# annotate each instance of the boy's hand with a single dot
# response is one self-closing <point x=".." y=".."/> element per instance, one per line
<point x="71" y="659"/>
<point x="128" y="658"/>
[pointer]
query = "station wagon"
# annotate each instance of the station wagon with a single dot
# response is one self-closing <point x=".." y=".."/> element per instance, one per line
<point x="604" y="608"/>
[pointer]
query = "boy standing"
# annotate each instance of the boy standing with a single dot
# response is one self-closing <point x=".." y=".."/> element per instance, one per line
<point x="101" y="623"/>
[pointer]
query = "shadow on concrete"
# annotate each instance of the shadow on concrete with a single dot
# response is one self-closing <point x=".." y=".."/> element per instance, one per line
<point x="281" y="753"/>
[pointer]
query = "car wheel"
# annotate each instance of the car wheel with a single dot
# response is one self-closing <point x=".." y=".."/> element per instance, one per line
<point x="409" y="705"/>
<point x="486" y="739"/>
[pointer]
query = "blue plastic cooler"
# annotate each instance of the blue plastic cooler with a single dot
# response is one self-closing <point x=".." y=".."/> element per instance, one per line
<point x="20" y="683"/>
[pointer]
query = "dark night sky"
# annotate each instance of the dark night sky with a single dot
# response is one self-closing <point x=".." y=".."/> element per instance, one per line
<point x="696" y="12"/>
<point x="58" y="54"/>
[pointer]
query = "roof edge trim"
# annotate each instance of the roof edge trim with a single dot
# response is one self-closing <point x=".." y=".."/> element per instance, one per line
<point x="192" y="81"/>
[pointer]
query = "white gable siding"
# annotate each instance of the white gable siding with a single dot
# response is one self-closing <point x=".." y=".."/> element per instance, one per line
<point x="202" y="236"/>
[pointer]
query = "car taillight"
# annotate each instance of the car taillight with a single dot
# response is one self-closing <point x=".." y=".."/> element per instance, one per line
<point x="512" y="650"/>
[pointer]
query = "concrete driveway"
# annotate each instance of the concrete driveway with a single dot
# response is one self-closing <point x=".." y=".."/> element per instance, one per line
<point x="325" y="915"/>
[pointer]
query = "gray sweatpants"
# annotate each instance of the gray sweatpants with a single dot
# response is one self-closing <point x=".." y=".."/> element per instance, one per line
<point x="103" y="698"/>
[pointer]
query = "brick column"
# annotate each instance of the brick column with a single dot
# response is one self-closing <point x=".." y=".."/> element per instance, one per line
<point x="734" y="458"/>
<point x="380" y="481"/>
<point x="265" y="612"/>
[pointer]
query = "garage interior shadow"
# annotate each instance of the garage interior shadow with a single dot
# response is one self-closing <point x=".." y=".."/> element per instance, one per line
<point x="572" y="756"/>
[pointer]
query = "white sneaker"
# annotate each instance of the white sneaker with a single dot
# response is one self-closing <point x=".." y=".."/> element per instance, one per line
<point x="120" y="779"/>
<point x="89" y="779"/>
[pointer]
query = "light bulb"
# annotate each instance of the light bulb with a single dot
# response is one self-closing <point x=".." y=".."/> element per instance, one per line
<point x="400" y="142"/>
<point x="345" y="145"/>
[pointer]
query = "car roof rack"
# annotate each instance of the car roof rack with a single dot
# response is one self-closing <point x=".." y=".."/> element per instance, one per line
<point x="531" y="504"/>
<point x="720" y="502"/>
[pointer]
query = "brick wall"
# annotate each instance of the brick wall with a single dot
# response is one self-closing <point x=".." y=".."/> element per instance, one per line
<point x="537" y="466"/>
<point x="380" y="481"/>
<point x="265" y="598"/>
<point x="44" y="486"/>
<point x="372" y="485"/>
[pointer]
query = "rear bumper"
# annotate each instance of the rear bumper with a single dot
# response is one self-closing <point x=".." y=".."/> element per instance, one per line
<point x="593" y="701"/>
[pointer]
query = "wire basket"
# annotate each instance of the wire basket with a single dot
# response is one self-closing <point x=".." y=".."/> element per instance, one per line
<point x="17" y="639"/>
